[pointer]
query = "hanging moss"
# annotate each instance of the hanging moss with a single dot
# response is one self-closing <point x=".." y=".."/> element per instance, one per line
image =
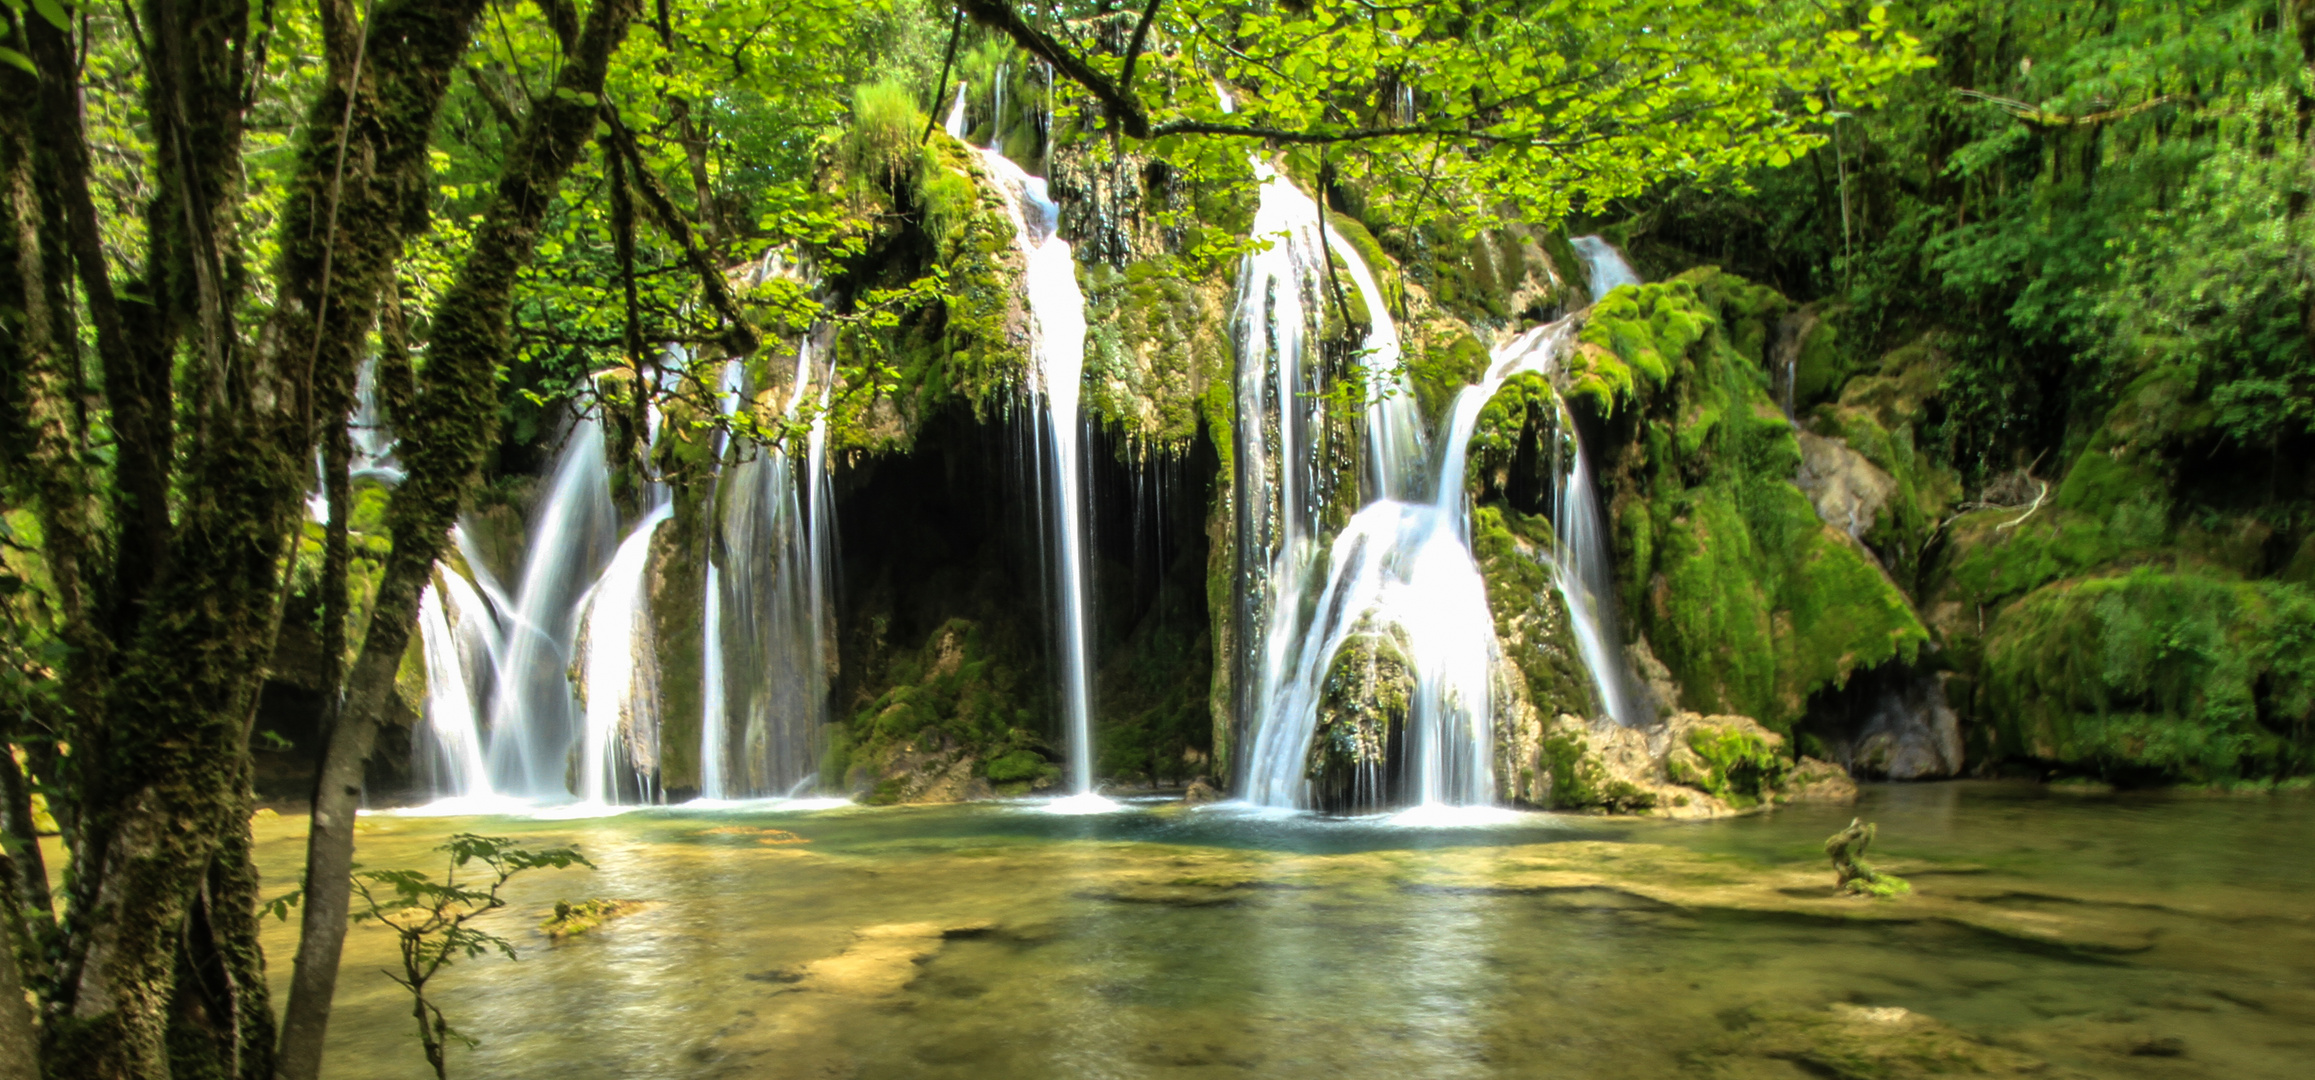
<point x="1751" y="600"/>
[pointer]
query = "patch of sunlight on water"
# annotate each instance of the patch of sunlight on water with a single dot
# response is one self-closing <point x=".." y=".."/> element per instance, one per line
<point x="2126" y="936"/>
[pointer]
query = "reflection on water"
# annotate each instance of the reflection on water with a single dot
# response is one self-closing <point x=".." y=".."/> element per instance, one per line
<point x="2154" y="936"/>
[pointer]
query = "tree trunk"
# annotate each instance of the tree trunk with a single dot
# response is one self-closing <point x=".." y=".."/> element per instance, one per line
<point x="445" y="432"/>
<point x="19" y="1043"/>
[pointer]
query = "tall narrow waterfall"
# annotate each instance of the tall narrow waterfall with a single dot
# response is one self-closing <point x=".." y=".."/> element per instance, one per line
<point x="765" y="694"/>
<point x="460" y="639"/>
<point x="619" y="744"/>
<point x="1057" y="334"/>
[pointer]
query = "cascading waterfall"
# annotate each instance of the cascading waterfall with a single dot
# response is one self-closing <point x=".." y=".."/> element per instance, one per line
<point x="1057" y="332"/>
<point x="767" y="608"/>
<point x="1608" y="268"/>
<point x="460" y="639"/>
<point x="618" y="746"/>
<point x="1402" y="567"/>
<point x="532" y="722"/>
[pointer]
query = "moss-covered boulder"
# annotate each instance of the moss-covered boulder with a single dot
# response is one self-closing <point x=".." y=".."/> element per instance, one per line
<point x="1362" y="721"/>
<point x="1689" y="766"/>
<point x="1749" y="598"/>
<point x="950" y="727"/>
<point x="2155" y="675"/>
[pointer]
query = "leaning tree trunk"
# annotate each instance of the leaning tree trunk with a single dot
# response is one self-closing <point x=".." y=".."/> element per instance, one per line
<point x="444" y="430"/>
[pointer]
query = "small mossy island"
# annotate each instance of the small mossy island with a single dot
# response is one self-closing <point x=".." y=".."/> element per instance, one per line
<point x="1097" y="538"/>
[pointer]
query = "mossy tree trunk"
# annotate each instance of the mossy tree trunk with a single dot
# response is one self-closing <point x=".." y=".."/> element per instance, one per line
<point x="445" y="428"/>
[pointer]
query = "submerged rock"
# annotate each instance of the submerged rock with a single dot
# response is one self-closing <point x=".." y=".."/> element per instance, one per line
<point x="570" y="920"/>
<point x="1856" y="1041"/>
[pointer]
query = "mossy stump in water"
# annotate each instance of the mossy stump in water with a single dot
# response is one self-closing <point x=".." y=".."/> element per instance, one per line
<point x="571" y="920"/>
<point x="1855" y="876"/>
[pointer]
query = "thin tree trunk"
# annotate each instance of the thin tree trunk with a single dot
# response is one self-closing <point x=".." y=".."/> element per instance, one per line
<point x="445" y="432"/>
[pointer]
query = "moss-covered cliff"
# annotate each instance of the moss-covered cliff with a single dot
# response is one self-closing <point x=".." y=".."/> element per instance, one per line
<point x="1724" y="566"/>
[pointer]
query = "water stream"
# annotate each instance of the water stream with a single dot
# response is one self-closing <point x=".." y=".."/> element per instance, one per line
<point x="1057" y="336"/>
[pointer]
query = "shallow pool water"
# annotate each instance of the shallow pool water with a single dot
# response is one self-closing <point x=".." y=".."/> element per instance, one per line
<point x="2154" y="936"/>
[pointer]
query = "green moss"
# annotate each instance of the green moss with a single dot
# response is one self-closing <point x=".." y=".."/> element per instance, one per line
<point x="1751" y="600"/>
<point x="1737" y="766"/>
<point x="1820" y="366"/>
<point x="1531" y="620"/>
<point x="1578" y="782"/>
<point x="885" y="128"/>
<point x="2152" y="676"/>
<point x="1156" y="349"/>
<point x="953" y="692"/>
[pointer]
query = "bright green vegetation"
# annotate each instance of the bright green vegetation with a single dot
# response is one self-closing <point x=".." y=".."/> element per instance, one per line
<point x="2060" y="282"/>
<point x="1734" y="765"/>
<point x="1751" y="600"/>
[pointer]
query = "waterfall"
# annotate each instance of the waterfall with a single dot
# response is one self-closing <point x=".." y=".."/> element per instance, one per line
<point x="1582" y="571"/>
<point x="532" y="712"/>
<point x="711" y="675"/>
<point x="1402" y="567"/>
<point x="1057" y="334"/>
<point x="459" y="637"/>
<point x="1608" y="268"/>
<point x="617" y="675"/>
<point x="767" y="607"/>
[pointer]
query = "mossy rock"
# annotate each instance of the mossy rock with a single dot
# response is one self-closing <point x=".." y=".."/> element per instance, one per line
<point x="1362" y="716"/>
<point x="1748" y="597"/>
<point x="1852" y="1042"/>
<point x="1531" y="619"/>
<point x="2155" y="675"/>
<point x="1741" y="764"/>
<point x="949" y="707"/>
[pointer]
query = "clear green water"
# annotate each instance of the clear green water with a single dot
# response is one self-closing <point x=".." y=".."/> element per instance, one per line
<point x="1163" y="943"/>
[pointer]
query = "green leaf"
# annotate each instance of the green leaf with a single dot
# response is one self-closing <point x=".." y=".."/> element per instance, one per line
<point x="54" y="13"/>
<point x="11" y="56"/>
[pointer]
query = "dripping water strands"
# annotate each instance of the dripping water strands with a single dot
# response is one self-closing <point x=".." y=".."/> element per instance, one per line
<point x="618" y="746"/>
<point x="572" y="534"/>
<point x="765" y="684"/>
<point x="460" y="640"/>
<point x="1057" y="341"/>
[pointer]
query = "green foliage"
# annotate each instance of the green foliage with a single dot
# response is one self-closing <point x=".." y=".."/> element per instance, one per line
<point x="886" y="127"/>
<point x="1596" y="102"/>
<point x="2216" y="283"/>
<point x="430" y="919"/>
